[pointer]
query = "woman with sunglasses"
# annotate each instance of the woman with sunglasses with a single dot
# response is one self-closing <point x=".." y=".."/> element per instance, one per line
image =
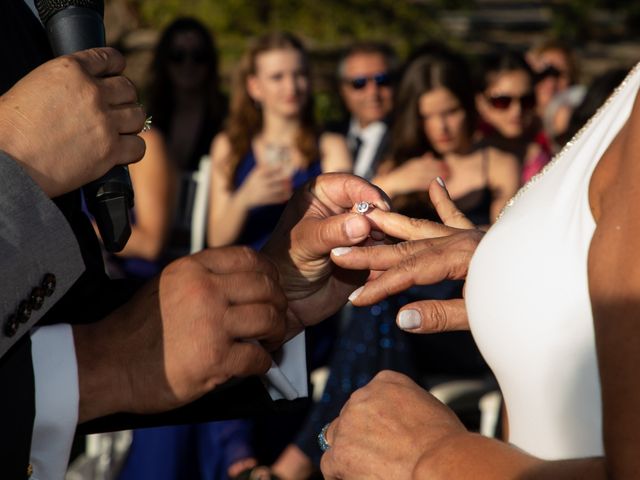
<point x="433" y="135"/>
<point x="187" y="107"/>
<point x="271" y="144"/>
<point x="506" y="102"/>
<point x="553" y="298"/>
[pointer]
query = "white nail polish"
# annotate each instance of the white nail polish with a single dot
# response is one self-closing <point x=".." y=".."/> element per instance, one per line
<point x="440" y="182"/>
<point x="338" y="251"/>
<point x="355" y="294"/>
<point x="409" y="319"/>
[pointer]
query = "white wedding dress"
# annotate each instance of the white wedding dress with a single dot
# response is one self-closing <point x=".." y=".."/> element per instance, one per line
<point x="528" y="298"/>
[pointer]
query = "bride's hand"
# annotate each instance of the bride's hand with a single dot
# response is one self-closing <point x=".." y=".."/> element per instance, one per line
<point x="431" y="253"/>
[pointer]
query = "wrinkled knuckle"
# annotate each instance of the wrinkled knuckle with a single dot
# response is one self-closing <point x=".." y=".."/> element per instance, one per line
<point x="438" y="317"/>
<point x="416" y="223"/>
<point x="402" y="249"/>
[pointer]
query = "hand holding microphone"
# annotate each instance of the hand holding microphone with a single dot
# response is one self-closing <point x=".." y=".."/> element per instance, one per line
<point x="72" y="26"/>
<point x="81" y="121"/>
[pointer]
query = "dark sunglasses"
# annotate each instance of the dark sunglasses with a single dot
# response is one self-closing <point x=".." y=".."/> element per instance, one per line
<point x="180" y="56"/>
<point x="549" y="71"/>
<point x="503" y="102"/>
<point x="380" y="79"/>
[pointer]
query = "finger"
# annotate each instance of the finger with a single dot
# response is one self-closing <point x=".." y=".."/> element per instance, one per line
<point x="377" y="257"/>
<point x="320" y="236"/>
<point x="447" y="210"/>
<point x="101" y="62"/>
<point x="406" y="228"/>
<point x="246" y="358"/>
<point x="249" y="287"/>
<point x="429" y="266"/>
<point x="118" y="90"/>
<point x="431" y="316"/>
<point x="340" y="191"/>
<point x="130" y="149"/>
<point x="328" y="464"/>
<point x="261" y="321"/>
<point x="235" y="259"/>
<point x="128" y="119"/>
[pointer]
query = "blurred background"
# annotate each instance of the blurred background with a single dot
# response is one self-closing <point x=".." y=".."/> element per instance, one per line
<point x="604" y="33"/>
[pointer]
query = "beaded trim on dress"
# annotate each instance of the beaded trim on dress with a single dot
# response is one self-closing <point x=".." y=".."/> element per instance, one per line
<point x="557" y="158"/>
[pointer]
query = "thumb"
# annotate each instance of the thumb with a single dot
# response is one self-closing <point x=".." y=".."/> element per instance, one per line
<point x="432" y="316"/>
<point x="322" y="235"/>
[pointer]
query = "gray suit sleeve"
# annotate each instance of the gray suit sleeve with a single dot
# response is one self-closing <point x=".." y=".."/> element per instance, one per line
<point x="39" y="256"/>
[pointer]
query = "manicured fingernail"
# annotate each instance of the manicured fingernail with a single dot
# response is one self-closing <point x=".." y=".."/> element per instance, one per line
<point x="377" y="235"/>
<point x="440" y="182"/>
<point x="355" y="227"/>
<point x="355" y="294"/>
<point x="340" y="251"/>
<point x="409" y="319"/>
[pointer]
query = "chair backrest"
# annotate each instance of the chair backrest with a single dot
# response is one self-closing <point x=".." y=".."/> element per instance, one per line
<point x="201" y="178"/>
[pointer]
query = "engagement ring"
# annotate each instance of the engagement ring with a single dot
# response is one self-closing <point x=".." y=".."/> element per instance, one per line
<point x="363" y="207"/>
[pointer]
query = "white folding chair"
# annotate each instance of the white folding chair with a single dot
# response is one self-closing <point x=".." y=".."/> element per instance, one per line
<point x="201" y="178"/>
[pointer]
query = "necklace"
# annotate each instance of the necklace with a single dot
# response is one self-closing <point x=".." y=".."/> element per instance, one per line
<point x="563" y="153"/>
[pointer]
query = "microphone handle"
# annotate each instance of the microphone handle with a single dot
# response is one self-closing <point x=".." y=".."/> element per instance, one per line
<point x="110" y="197"/>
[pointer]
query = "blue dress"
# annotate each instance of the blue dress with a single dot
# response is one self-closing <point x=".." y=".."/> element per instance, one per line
<point x="262" y="220"/>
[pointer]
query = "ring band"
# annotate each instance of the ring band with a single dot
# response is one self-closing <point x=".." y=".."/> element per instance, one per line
<point x="147" y="124"/>
<point x="322" y="438"/>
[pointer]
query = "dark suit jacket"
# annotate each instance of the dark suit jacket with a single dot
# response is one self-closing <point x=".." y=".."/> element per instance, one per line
<point x="23" y="46"/>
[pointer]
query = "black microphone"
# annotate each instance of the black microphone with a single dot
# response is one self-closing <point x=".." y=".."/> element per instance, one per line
<point x="74" y="25"/>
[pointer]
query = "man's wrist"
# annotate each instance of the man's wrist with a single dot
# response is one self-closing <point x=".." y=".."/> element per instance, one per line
<point x="102" y="376"/>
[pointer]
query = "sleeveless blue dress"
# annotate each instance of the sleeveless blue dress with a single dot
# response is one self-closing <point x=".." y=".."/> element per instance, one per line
<point x="262" y="220"/>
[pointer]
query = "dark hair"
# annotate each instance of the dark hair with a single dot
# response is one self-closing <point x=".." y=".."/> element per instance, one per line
<point x="598" y="92"/>
<point x="494" y="64"/>
<point x="245" y="117"/>
<point x="363" y="48"/>
<point x="425" y="73"/>
<point x="161" y="99"/>
<point x="566" y="50"/>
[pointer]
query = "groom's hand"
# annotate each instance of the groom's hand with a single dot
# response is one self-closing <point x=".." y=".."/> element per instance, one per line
<point x="318" y="218"/>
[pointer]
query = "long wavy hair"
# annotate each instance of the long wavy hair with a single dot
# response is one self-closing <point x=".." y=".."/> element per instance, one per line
<point x="161" y="96"/>
<point x="427" y="72"/>
<point x="245" y="116"/>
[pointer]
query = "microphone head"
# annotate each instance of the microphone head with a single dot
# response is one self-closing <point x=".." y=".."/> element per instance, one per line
<point x="48" y="8"/>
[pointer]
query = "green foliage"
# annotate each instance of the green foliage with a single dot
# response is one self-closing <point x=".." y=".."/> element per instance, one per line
<point x="326" y="24"/>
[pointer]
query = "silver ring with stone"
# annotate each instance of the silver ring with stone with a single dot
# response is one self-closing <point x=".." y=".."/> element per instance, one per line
<point x="363" y="207"/>
<point x="322" y="438"/>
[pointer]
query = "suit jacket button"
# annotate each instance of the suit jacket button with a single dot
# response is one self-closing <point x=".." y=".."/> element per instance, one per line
<point x="24" y="312"/>
<point x="37" y="298"/>
<point x="49" y="284"/>
<point x="29" y="470"/>
<point x="11" y="326"/>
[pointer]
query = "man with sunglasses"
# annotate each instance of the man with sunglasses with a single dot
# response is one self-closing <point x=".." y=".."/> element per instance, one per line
<point x="365" y="72"/>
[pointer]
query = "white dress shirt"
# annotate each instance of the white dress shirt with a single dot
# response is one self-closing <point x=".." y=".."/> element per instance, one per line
<point x="370" y="136"/>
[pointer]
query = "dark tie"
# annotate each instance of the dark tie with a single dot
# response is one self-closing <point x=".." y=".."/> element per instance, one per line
<point x="354" y="146"/>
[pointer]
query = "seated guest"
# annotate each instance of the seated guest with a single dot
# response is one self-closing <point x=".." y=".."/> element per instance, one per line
<point x="270" y="145"/>
<point x="365" y="75"/>
<point x="552" y="297"/>
<point x="506" y="103"/>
